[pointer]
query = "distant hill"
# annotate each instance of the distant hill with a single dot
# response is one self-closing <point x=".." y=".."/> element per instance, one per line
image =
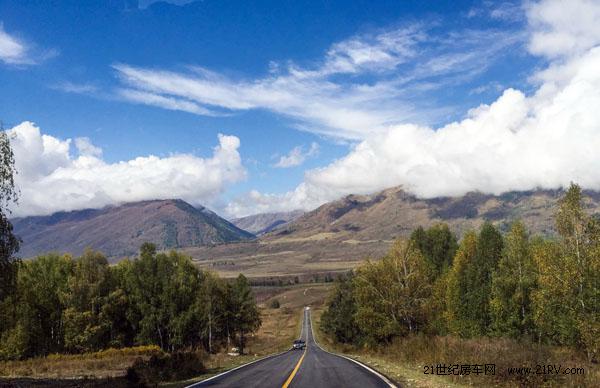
<point x="394" y="212"/>
<point x="340" y="234"/>
<point x="265" y="222"/>
<point x="119" y="231"/>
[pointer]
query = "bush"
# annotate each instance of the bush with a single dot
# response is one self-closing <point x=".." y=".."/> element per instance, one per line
<point x="274" y="304"/>
<point x="14" y="344"/>
<point x="166" y="367"/>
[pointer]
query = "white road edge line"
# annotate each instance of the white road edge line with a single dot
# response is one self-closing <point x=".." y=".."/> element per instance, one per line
<point x="382" y="377"/>
<point x="236" y="368"/>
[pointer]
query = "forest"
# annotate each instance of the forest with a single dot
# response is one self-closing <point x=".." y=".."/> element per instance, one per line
<point x="490" y="284"/>
<point x="62" y="304"/>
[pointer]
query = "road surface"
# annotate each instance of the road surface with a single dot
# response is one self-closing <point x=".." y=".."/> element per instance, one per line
<point x="312" y="368"/>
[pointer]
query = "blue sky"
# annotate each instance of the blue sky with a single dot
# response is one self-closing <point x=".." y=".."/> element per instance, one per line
<point x="314" y="81"/>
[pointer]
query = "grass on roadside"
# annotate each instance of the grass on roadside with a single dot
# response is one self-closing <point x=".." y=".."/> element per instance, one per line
<point x="103" y="364"/>
<point x="404" y="361"/>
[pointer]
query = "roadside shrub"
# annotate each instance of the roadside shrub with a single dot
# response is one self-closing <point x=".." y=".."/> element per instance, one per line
<point x="13" y="344"/>
<point x="166" y="367"/>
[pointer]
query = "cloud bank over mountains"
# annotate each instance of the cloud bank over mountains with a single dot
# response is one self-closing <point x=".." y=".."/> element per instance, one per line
<point x="51" y="178"/>
<point x="518" y="142"/>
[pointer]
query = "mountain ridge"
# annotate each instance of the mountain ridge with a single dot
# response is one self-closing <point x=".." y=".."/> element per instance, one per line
<point x="119" y="230"/>
<point x="359" y="213"/>
<point x="340" y="234"/>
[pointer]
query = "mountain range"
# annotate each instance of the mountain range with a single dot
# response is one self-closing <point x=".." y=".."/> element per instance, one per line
<point x="339" y="234"/>
<point x="333" y="237"/>
<point x="395" y="212"/>
<point x="119" y="231"/>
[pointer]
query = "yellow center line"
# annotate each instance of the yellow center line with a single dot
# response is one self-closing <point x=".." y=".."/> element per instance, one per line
<point x="289" y="379"/>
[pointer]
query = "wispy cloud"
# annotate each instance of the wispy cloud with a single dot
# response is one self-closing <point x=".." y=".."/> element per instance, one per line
<point x="12" y="50"/>
<point x="297" y="156"/>
<point x="360" y="87"/>
<point x="76" y="88"/>
<point x="509" y="11"/>
<point x="166" y="102"/>
<point x="142" y="4"/>
<point x="15" y="51"/>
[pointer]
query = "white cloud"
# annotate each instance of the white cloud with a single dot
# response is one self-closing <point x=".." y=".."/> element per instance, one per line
<point x="143" y="4"/>
<point x="12" y="50"/>
<point x="77" y="88"/>
<point x="297" y="156"/>
<point x="518" y="142"/>
<point x="15" y="51"/>
<point x="361" y="86"/>
<point x="561" y="28"/>
<point x="170" y="103"/>
<point x="51" y="179"/>
<point x="86" y="148"/>
<point x="509" y="11"/>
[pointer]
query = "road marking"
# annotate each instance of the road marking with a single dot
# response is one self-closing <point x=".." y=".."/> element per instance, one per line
<point x="289" y="379"/>
<point x="382" y="377"/>
<point x="200" y="383"/>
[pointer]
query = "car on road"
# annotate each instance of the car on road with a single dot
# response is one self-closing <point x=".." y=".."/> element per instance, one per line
<point x="299" y="344"/>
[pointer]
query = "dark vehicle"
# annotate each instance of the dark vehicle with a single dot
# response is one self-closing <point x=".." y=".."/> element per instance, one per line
<point x="299" y="344"/>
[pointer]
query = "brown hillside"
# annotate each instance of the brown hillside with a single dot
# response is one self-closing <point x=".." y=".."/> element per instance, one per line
<point x="119" y="231"/>
<point x="339" y="234"/>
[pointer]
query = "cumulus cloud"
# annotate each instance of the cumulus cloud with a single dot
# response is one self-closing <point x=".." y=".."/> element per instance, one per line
<point x="564" y="29"/>
<point x="86" y="148"/>
<point x="518" y="142"/>
<point x="50" y="178"/>
<point x="361" y="86"/>
<point x="297" y="156"/>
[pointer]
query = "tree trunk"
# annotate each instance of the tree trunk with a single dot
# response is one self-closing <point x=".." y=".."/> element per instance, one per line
<point x="210" y="332"/>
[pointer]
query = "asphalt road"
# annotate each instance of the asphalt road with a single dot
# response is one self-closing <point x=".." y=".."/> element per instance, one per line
<point x="312" y="368"/>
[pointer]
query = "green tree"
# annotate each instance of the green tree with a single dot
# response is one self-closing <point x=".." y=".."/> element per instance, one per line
<point x="436" y="306"/>
<point x="246" y="315"/>
<point x="182" y="281"/>
<point x="512" y="285"/>
<point x="567" y="303"/>
<point x="338" y="318"/>
<point x="213" y="309"/>
<point x="391" y="293"/>
<point x="90" y="284"/>
<point x="553" y="311"/>
<point x="39" y="327"/>
<point x="438" y="244"/>
<point x="9" y="243"/>
<point x="479" y="277"/>
<point x="162" y="289"/>
<point x="457" y="313"/>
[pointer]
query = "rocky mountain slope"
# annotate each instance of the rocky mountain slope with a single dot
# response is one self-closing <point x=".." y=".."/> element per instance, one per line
<point x="265" y="222"/>
<point x="394" y="212"/>
<point x="119" y="231"/>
